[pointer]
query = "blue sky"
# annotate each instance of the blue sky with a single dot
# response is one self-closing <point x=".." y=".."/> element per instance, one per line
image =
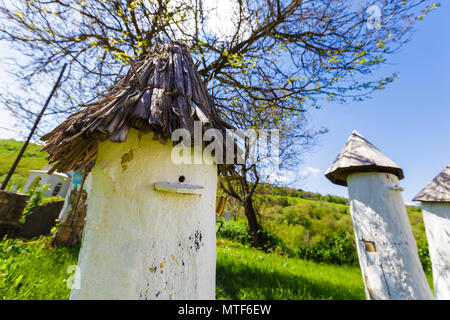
<point x="409" y="120"/>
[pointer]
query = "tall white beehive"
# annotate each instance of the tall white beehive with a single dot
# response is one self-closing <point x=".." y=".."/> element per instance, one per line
<point x="150" y="224"/>
<point x="435" y="198"/>
<point x="387" y="250"/>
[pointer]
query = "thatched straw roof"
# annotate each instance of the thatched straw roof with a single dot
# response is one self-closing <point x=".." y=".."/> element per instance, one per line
<point x="161" y="92"/>
<point x="359" y="155"/>
<point x="437" y="190"/>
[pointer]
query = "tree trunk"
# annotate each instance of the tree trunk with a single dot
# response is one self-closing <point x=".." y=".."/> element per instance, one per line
<point x="253" y="225"/>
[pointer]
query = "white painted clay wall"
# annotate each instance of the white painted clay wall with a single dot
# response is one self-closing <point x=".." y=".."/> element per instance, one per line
<point x="140" y="243"/>
<point x="436" y="216"/>
<point x="379" y="215"/>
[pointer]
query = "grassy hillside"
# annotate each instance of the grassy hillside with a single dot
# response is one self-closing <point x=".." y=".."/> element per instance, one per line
<point x="32" y="159"/>
<point x="309" y="226"/>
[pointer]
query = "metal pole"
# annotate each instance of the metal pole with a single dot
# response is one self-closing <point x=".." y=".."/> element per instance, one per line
<point x="19" y="156"/>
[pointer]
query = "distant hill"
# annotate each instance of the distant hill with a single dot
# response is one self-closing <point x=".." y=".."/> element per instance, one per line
<point x="33" y="159"/>
<point x="266" y="188"/>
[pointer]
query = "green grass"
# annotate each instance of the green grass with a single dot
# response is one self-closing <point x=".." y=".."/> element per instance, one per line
<point x="244" y="273"/>
<point x="33" y="270"/>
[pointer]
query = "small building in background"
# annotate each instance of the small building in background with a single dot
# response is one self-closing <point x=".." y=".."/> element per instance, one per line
<point x="58" y="182"/>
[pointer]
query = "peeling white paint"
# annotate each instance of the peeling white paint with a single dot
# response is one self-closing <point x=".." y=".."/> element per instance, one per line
<point x="141" y="243"/>
<point x="436" y="216"/>
<point x="390" y="266"/>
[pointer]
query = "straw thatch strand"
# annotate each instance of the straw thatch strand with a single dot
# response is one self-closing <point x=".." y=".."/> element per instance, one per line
<point x="161" y="92"/>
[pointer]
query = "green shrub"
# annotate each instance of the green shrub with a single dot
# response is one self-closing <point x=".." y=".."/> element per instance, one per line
<point x="235" y="231"/>
<point x="272" y="243"/>
<point x="295" y="215"/>
<point x="335" y="199"/>
<point x="293" y="236"/>
<point x="238" y="231"/>
<point x="38" y="197"/>
<point x="336" y="248"/>
<point x="424" y="255"/>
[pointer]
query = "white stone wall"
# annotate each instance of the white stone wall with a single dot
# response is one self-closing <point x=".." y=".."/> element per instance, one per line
<point x="387" y="250"/>
<point x="436" y="216"/>
<point x="140" y="243"/>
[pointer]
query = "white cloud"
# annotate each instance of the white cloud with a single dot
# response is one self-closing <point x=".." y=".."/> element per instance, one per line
<point x="221" y="16"/>
<point x="310" y="171"/>
<point x="220" y="19"/>
<point x="281" y="176"/>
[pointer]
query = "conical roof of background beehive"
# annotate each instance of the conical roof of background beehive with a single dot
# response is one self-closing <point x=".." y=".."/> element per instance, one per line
<point x="437" y="190"/>
<point x="359" y="155"/>
<point x="163" y="93"/>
